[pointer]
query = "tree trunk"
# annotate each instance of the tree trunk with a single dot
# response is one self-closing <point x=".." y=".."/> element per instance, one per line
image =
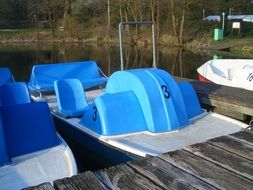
<point x="181" y="30"/>
<point x="51" y="17"/>
<point x="174" y="25"/>
<point x="67" y="15"/>
<point x="126" y="19"/>
<point x="135" y="17"/>
<point x="109" y="20"/>
<point x="158" y="20"/>
<point x="120" y="11"/>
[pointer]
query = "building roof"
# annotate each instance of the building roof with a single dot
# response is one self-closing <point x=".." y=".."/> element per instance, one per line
<point x="245" y="18"/>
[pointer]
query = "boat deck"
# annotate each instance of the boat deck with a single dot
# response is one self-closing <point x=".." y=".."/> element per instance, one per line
<point x="221" y="163"/>
<point x="146" y="143"/>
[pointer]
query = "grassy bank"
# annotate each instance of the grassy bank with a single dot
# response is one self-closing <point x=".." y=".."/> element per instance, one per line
<point x="241" y="46"/>
<point x="45" y="35"/>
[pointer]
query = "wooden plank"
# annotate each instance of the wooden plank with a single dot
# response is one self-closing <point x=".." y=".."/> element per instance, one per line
<point x="234" y="146"/>
<point x="82" y="181"/>
<point x="234" y="99"/>
<point x="166" y="175"/>
<point x="238" y="100"/>
<point x="227" y="112"/>
<point x="228" y="160"/>
<point x="246" y="136"/>
<point x="43" y="186"/>
<point x="207" y="171"/>
<point x="123" y="177"/>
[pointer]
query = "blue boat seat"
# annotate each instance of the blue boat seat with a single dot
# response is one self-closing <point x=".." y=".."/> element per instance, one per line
<point x="183" y="95"/>
<point x="14" y="93"/>
<point x="5" y="76"/>
<point x="28" y="128"/>
<point x="70" y="97"/>
<point x="164" y="104"/>
<point x="4" y="158"/>
<point x="115" y="114"/>
<point x="43" y="76"/>
<point x="190" y="98"/>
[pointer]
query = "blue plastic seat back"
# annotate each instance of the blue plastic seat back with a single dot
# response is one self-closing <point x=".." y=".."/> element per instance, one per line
<point x="5" y="76"/>
<point x="161" y="99"/>
<point x="147" y="93"/>
<point x="191" y="101"/>
<point x="154" y="96"/>
<point x="43" y="76"/>
<point x="115" y="114"/>
<point x="14" y="93"/>
<point x="183" y="96"/>
<point x="4" y="158"/>
<point x="28" y="128"/>
<point x="70" y="97"/>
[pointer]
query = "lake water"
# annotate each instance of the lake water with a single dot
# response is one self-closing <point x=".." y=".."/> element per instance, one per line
<point x="21" y="57"/>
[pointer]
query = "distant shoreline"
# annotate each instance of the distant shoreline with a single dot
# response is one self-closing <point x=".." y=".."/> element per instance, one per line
<point x="239" y="46"/>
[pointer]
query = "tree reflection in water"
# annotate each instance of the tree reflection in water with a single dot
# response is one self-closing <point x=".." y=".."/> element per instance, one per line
<point x="21" y="57"/>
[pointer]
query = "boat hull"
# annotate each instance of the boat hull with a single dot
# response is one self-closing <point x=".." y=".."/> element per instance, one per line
<point x="38" y="167"/>
<point x="203" y="79"/>
<point x="91" y="152"/>
<point x="228" y="72"/>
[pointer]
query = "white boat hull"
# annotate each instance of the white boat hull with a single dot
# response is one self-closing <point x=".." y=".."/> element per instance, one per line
<point x="38" y="167"/>
<point x="229" y="72"/>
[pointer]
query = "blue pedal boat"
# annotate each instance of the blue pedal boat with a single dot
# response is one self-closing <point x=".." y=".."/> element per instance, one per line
<point x="31" y="151"/>
<point x="139" y="113"/>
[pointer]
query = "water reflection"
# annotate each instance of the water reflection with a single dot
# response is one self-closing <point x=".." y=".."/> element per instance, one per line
<point x="21" y="57"/>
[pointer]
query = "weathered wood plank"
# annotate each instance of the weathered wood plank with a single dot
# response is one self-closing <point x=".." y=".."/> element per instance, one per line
<point x="228" y="160"/>
<point x="227" y="112"/>
<point x="123" y="177"/>
<point x="43" y="186"/>
<point x="82" y="181"/>
<point x="234" y="146"/>
<point x="246" y="136"/>
<point x="166" y="175"/>
<point x="207" y="171"/>
<point x="235" y="99"/>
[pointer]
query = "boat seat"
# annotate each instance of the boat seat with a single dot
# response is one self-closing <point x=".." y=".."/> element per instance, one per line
<point x="6" y="76"/>
<point x="70" y="96"/>
<point x="4" y="158"/>
<point x="115" y="114"/>
<point x="164" y="103"/>
<point x="14" y="93"/>
<point x="192" y="107"/>
<point x="28" y="128"/>
<point x="43" y="76"/>
<point x="240" y="74"/>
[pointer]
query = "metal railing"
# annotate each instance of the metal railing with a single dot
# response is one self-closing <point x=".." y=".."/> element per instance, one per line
<point x="121" y="39"/>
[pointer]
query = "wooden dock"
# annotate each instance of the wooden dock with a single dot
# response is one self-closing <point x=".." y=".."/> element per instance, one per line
<point x="221" y="163"/>
<point x="234" y="102"/>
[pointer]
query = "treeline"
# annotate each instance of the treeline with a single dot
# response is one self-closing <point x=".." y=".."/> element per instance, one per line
<point x="180" y="20"/>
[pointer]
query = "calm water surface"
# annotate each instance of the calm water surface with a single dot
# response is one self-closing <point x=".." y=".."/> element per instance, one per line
<point x="21" y="57"/>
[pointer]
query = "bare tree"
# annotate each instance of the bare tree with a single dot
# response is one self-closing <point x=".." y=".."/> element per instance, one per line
<point x="109" y="19"/>
<point x="67" y="14"/>
<point x="178" y="17"/>
<point x="155" y="15"/>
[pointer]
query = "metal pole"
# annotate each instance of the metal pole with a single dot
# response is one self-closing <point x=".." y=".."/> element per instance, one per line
<point x="223" y="21"/>
<point x="121" y="47"/>
<point x="121" y="40"/>
<point x="154" y="45"/>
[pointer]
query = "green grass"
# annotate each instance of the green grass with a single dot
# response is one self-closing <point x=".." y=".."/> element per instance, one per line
<point x="21" y="32"/>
